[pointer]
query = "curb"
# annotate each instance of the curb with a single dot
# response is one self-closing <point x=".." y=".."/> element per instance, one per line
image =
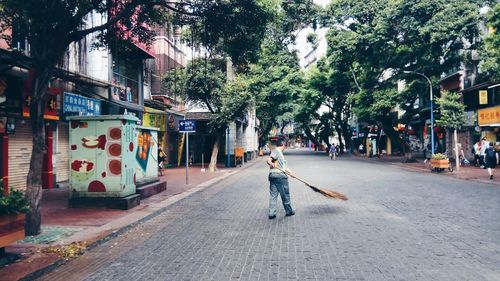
<point x="426" y="170"/>
<point x="167" y="205"/>
<point x="454" y="175"/>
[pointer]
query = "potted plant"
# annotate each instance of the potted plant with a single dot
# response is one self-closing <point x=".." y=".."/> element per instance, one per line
<point x="13" y="207"/>
<point x="440" y="160"/>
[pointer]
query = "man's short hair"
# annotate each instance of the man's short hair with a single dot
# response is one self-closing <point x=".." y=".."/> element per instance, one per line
<point x="280" y="142"/>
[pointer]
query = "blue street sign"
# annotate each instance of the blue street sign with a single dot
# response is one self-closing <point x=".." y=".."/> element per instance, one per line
<point x="187" y="126"/>
<point x="79" y="105"/>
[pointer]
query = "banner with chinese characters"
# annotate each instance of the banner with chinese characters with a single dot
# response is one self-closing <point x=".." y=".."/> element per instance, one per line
<point x="488" y="116"/>
<point x="82" y="106"/>
<point x="50" y="112"/>
<point x="483" y="97"/>
<point x="154" y="118"/>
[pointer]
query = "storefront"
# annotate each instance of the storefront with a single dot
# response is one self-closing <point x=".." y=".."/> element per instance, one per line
<point x="16" y="133"/>
<point x="157" y="119"/>
<point x="482" y="104"/>
<point x="173" y="140"/>
<point x="489" y="121"/>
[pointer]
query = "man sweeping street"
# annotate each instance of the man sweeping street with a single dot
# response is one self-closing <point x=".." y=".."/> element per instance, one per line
<point x="278" y="180"/>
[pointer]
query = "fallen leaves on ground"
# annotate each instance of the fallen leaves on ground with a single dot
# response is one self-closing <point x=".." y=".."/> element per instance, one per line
<point x="68" y="251"/>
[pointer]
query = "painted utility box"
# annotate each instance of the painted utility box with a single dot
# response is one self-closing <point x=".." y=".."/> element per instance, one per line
<point x="146" y="153"/>
<point x="105" y="157"/>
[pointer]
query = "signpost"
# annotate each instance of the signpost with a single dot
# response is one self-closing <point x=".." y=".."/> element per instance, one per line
<point x="187" y="126"/>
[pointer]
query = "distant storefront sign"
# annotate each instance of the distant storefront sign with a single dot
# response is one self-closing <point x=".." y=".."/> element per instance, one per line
<point x="483" y="97"/>
<point x="154" y="118"/>
<point x="488" y="116"/>
<point x="51" y="108"/>
<point x="79" y="105"/>
<point x="50" y="112"/>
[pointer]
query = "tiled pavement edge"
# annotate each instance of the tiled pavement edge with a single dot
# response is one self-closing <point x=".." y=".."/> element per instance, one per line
<point x="430" y="228"/>
<point x="469" y="173"/>
<point x="115" y="228"/>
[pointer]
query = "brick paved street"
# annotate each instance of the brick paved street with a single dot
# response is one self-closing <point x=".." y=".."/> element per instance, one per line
<point x="397" y="225"/>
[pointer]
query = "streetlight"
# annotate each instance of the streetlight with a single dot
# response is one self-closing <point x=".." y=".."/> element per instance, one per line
<point x="432" y="107"/>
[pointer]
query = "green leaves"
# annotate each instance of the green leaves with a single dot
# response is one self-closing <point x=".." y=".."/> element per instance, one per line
<point x="202" y="82"/>
<point x="376" y="40"/>
<point x="451" y="109"/>
<point x="491" y="49"/>
<point x="14" y="203"/>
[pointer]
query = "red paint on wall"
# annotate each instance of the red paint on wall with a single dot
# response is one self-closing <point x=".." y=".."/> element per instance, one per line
<point x="96" y="186"/>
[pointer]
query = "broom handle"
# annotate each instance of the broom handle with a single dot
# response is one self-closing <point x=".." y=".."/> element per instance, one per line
<point x="299" y="179"/>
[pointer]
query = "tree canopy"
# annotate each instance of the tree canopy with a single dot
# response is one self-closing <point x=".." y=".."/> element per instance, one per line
<point x="50" y="26"/>
<point x="378" y="40"/>
<point x="491" y="50"/>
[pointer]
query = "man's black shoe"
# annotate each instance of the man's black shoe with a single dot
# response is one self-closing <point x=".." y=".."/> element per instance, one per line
<point x="491" y="177"/>
<point x="272" y="217"/>
<point x="291" y="214"/>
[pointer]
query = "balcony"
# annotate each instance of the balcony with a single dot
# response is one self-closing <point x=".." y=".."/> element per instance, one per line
<point x="127" y="89"/>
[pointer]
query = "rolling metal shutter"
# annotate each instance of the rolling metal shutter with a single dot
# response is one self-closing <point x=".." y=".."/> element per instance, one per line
<point x="20" y="146"/>
<point x="62" y="153"/>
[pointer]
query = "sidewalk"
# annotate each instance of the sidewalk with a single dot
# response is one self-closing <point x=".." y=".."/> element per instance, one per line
<point x="68" y="231"/>
<point x="466" y="173"/>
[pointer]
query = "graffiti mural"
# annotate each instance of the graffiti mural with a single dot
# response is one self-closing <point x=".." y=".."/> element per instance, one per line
<point x="102" y="156"/>
<point x="146" y="154"/>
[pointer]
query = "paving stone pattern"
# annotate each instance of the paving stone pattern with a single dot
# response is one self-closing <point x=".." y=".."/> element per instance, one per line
<point x="397" y="225"/>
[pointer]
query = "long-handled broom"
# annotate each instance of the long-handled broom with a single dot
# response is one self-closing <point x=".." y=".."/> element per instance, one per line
<point x="324" y="192"/>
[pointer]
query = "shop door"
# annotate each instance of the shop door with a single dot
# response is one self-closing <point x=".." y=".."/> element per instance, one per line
<point x="62" y="153"/>
<point x="20" y="147"/>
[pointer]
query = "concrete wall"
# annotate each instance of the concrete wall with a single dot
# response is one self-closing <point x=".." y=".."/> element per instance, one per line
<point x="244" y="135"/>
<point x="98" y="61"/>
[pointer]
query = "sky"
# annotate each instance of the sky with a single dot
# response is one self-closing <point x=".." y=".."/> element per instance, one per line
<point x="304" y="48"/>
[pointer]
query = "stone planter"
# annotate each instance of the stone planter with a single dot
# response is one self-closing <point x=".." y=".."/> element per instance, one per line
<point x="11" y="228"/>
<point x="443" y="164"/>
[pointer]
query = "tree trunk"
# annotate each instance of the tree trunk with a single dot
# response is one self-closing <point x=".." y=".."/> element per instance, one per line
<point x="392" y="134"/>
<point x="215" y="151"/>
<point x="39" y="86"/>
<point x="308" y="133"/>
<point x="457" y="161"/>
<point x="339" y="133"/>
<point x="407" y="148"/>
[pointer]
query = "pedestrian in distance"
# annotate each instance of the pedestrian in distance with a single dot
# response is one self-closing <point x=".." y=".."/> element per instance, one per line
<point x="361" y="149"/>
<point x="333" y="152"/>
<point x="161" y="159"/>
<point x="490" y="159"/>
<point x="484" y="146"/>
<point x="476" y="150"/>
<point x="278" y="180"/>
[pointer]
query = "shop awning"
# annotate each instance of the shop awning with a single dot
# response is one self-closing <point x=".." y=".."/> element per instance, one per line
<point x="148" y="52"/>
<point x="482" y="86"/>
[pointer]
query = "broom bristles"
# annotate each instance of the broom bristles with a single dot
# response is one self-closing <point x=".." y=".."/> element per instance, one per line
<point x="328" y="193"/>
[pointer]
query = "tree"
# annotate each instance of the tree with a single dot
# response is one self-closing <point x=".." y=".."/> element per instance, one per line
<point x="452" y="116"/>
<point x="204" y="83"/>
<point x="332" y="79"/>
<point x="378" y="40"/>
<point x="491" y="49"/>
<point x="276" y="78"/>
<point x="50" y="26"/>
